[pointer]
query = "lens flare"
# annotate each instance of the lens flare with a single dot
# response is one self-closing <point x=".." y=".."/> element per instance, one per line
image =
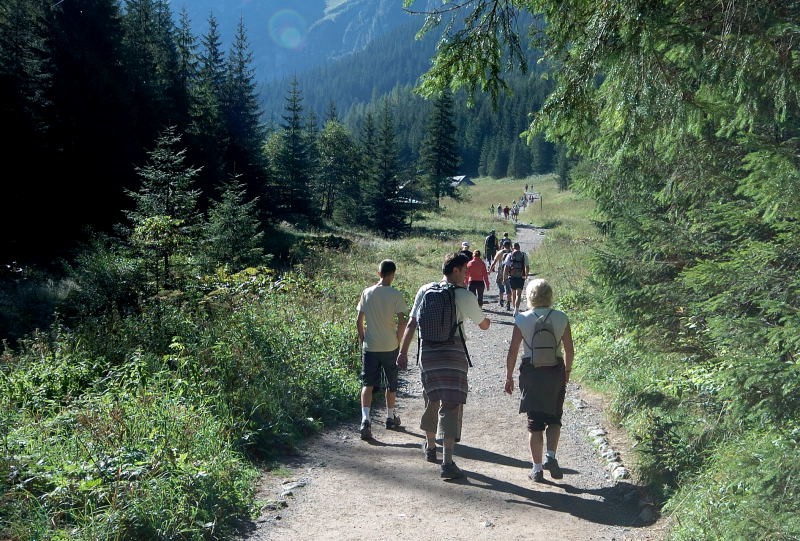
<point x="288" y="29"/>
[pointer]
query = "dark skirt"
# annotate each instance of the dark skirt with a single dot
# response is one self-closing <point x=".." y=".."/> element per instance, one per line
<point x="543" y="389"/>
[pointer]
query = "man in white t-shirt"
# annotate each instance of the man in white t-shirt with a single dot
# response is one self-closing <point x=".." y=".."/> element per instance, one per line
<point x="444" y="366"/>
<point x="381" y="319"/>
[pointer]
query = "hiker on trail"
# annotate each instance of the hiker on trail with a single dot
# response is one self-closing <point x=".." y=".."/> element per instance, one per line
<point x="490" y="246"/>
<point x="499" y="210"/>
<point x="378" y="307"/>
<point x="506" y="210"/>
<point x="497" y="263"/>
<point x="517" y="266"/>
<point x="526" y="187"/>
<point x="477" y="276"/>
<point x="491" y="210"/>
<point x="465" y="250"/>
<point x="546" y="364"/>
<point x="443" y="357"/>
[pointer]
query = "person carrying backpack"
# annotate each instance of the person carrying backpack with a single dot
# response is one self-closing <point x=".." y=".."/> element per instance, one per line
<point x="517" y="265"/>
<point x="547" y="357"/>
<point x="438" y="312"/>
<point x="502" y="285"/>
<point x="490" y="246"/>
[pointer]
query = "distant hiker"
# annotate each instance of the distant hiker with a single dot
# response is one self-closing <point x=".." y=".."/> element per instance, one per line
<point x="443" y="357"/>
<point x="499" y="210"/>
<point x="491" y="210"/>
<point x="517" y="266"/>
<point x="477" y="276"/>
<point x="378" y="307"/>
<point x="465" y="250"/>
<point x="490" y="246"/>
<point x="526" y="187"/>
<point x="543" y="373"/>
<point x="506" y="210"/>
<point x="500" y="280"/>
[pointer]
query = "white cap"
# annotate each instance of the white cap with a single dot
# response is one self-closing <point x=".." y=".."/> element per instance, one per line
<point x="465" y="244"/>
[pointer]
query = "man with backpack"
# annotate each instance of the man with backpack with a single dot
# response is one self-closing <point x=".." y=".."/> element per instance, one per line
<point x="517" y="265"/>
<point x="546" y="364"/>
<point x="439" y="311"/>
<point x="502" y="285"/>
<point x="379" y="307"/>
<point x="490" y="246"/>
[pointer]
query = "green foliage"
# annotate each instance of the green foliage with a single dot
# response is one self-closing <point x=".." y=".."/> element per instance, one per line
<point x="748" y="490"/>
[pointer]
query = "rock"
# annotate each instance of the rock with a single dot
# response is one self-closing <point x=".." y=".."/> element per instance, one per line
<point x="595" y="432"/>
<point x="289" y="487"/>
<point x="487" y="524"/>
<point x="620" y="473"/>
<point x="611" y="466"/>
<point x="610" y="454"/>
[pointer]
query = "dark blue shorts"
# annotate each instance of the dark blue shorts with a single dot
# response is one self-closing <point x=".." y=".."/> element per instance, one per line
<point x="373" y="362"/>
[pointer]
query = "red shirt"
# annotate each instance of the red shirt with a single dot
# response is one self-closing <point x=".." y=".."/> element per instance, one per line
<point x="476" y="271"/>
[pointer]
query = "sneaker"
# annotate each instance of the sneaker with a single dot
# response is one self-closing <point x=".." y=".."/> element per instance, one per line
<point x="451" y="471"/>
<point x="430" y="454"/>
<point x="555" y="470"/>
<point x="366" y="432"/>
<point x="536" y="476"/>
<point x="393" y="423"/>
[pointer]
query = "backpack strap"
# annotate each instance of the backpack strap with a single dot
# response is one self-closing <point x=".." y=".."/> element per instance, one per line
<point x="530" y="347"/>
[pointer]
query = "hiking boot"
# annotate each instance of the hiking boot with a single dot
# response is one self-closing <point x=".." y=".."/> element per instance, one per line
<point x="430" y="454"/>
<point x="393" y="423"/>
<point x="451" y="471"/>
<point x="508" y="306"/>
<point x="536" y="476"/>
<point x="500" y="302"/>
<point x="366" y="431"/>
<point x="555" y="470"/>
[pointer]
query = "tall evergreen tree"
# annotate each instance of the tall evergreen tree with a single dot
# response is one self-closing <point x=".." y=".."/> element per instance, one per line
<point x="388" y="207"/>
<point x="242" y="114"/>
<point x="208" y="133"/>
<point x="439" y="151"/>
<point x="292" y="168"/>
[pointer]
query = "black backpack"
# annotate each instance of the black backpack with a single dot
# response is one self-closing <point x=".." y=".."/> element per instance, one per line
<point x="438" y="321"/>
<point x="517" y="269"/>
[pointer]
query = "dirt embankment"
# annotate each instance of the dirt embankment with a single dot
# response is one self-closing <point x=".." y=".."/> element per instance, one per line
<point x="341" y="487"/>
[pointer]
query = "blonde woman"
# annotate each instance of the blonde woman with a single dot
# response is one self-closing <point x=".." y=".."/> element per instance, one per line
<point x="543" y="373"/>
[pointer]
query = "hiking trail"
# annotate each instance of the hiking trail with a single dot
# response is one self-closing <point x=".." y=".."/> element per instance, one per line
<point x="340" y="487"/>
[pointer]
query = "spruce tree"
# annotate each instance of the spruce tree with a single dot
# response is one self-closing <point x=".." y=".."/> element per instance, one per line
<point x="165" y="217"/>
<point x="389" y="208"/>
<point x="439" y="151"/>
<point x="242" y="115"/>
<point x="292" y="169"/>
<point x="233" y="233"/>
<point x="339" y="172"/>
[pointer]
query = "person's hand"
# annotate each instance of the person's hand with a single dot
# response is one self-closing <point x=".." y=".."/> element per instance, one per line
<point x="509" y="386"/>
<point x="402" y="360"/>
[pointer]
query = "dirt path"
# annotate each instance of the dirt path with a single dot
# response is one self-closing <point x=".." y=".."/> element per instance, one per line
<point x="340" y="487"/>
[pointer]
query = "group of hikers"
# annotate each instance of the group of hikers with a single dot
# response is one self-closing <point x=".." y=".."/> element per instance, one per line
<point x="386" y="329"/>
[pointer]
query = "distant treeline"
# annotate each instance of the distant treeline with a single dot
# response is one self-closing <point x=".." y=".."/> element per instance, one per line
<point x="87" y="88"/>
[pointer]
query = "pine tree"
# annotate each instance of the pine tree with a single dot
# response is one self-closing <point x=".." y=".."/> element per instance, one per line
<point x="233" y="233"/>
<point x="439" y="151"/>
<point x="165" y="218"/>
<point x="242" y="114"/>
<point x="291" y="168"/>
<point x="388" y="208"/>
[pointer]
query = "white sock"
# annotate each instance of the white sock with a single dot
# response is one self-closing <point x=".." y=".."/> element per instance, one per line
<point x="550" y="454"/>
<point x="365" y="413"/>
<point x="537" y="467"/>
<point x="447" y="455"/>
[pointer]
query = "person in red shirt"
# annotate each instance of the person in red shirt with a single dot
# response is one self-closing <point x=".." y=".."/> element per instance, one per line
<point x="477" y="276"/>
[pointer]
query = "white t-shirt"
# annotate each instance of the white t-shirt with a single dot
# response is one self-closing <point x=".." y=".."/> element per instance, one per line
<point x="526" y="321"/>
<point x="466" y="304"/>
<point x="380" y="304"/>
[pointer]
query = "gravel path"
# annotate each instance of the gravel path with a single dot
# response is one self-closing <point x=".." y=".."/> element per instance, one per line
<point x="340" y="487"/>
